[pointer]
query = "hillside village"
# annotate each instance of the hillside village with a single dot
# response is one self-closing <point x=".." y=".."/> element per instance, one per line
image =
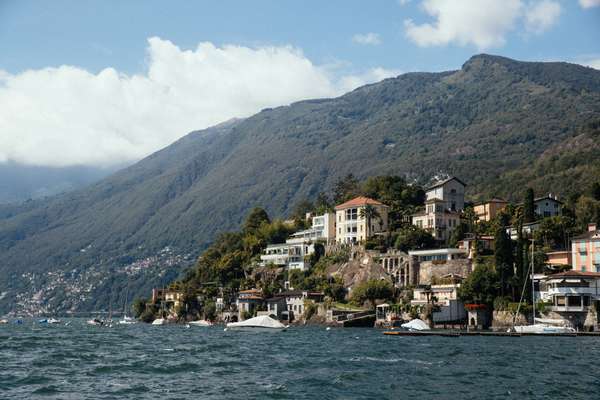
<point x="367" y="260"/>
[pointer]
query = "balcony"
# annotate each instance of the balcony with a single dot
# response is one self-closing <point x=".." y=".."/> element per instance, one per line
<point x="569" y="308"/>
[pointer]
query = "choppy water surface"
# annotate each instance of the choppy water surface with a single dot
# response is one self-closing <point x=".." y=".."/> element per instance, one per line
<point x="172" y="362"/>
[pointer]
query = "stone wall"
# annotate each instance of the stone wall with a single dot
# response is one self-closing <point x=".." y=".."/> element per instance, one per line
<point x="425" y="270"/>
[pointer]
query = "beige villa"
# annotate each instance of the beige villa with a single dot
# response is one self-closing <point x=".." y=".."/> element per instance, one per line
<point x="353" y="226"/>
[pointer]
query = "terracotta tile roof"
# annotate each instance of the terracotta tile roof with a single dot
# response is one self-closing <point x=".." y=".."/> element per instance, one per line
<point x="358" y="202"/>
<point x="587" y="235"/>
<point x="574" y="274"/>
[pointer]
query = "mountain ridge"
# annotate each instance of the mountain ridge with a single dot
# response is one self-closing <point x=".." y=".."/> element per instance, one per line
<point x="482" y="122"/>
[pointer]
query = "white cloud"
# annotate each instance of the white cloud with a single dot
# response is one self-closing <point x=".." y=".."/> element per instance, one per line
<point x="589" y="3"/>
<point x="351" y="82"/>
<point x="367" y="38"/>
<point x="540" y="16"/>
<point x="589" y="62"/>
<point x="69" y="116"/>
<point x="482" y="23"/>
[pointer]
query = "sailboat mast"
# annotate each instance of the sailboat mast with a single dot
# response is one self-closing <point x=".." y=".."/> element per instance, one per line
<point x="532" y="283"/>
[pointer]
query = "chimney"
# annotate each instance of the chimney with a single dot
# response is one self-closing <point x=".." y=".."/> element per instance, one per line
<point x="592" y="227"/>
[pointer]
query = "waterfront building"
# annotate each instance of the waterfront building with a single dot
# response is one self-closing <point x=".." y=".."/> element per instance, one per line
<point x="444" y="202"/>
<point x="248" y="301"/>
<point x="294" y="302"/>
<point x="168" y="299"/>
<point x="572" y="294"/>
<point x="353" y="226"/>
<point x="486" y="211"/>
<point x="444" y="295"/>
<point x="277" y="307"/>
<point x="585" y="250"/>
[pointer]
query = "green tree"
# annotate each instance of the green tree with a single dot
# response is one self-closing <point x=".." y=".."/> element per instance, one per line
<point x="369" y="213"/>
<point x="529" y="206"/>
<point x="299" y="212"/>
<point x="481" y="286"/>
<point x="139" y="306"/>
<point x="413" y="238"/>
<point x="372" y="290"/>
<point x="210" y="311"/>
<point x="323" y="204"/>
<point x="345" y="189"/>
<point x="587" y="210"/>
<point x="255" y="219"/>
<point x="596" y="191"/>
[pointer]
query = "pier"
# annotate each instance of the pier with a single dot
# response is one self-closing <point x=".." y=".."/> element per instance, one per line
<point x="448" y="333"/>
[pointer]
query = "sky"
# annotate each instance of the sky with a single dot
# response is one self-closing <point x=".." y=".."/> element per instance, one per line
<point x="103" y="83"/>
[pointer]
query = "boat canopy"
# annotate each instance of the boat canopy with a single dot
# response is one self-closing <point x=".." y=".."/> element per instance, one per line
<point x="416" y="325"/>
<point x="263" y="321"/>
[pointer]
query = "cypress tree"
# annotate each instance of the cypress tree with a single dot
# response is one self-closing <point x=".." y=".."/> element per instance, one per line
<point x="596" y="190"/>
<point x="503" y="256"/>
<point x="528" y="206"/>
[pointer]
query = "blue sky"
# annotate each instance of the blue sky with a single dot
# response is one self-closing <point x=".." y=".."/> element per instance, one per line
<point x="106" y="82"/>
<point x="97" y="34"/>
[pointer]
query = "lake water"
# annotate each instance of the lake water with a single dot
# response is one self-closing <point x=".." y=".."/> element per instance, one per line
<point x="172" y="362"/>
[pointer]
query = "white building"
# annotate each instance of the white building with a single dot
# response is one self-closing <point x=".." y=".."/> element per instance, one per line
<point x="548" y="206"/>
<point x="322" y="229"/>
<point x="439" y="254"/>
<point x="292" y="253"/>
<point x="445" y="297"/>
<point x="571" y="291"/>
<point x="451" y="191"/>
<point x="444" y="202"/>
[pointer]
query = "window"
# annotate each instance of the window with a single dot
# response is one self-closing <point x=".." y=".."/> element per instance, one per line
<point x="547" y="214"/>
<point x="351" y="214"/>
<point x="420" y="224"/>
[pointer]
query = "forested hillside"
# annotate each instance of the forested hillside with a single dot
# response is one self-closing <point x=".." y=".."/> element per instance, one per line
<point x="497" y="123"/>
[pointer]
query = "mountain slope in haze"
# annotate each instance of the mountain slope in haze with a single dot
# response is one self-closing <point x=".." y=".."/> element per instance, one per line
<point x="22" y="182"/>
<point x="486" y="123"/>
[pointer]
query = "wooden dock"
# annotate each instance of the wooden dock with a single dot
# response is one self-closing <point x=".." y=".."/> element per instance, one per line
<point x="447" y="333"/>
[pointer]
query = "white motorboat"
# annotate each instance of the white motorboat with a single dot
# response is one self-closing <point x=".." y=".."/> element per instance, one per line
<point x="542" y="328"/>
<point x="3" y="321"/>
<point x="201" y="322"/>
<point x="159" y="321"/>
<point x="95" y="322"/>
<point x="257" y="324"/>
<point x="53" y="321"/>
<point x="416" y="325"/>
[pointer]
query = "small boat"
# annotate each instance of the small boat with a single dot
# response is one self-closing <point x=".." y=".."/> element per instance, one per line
<point x="3" y="321"/>
<point x="159" y="321"/>
<point x="126" y="320"/>
<point x="257" y="324"/>
<point x="95" y="322"/>
<point x="201" y="322"/>
<point x="416" y="325"/>
<point x="42" y="321"/>
<point x="53" y="321"/>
